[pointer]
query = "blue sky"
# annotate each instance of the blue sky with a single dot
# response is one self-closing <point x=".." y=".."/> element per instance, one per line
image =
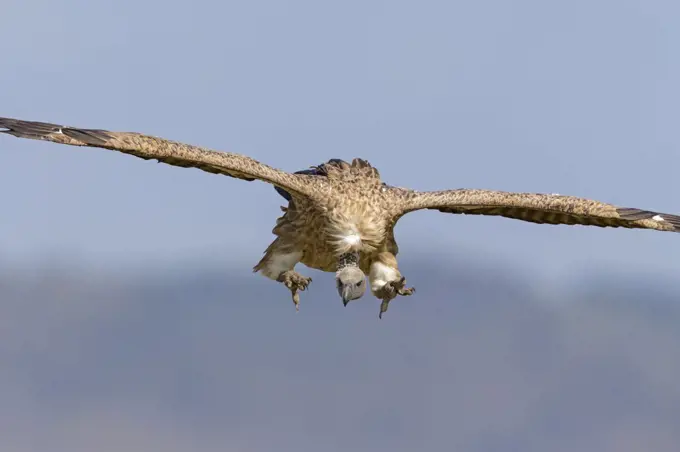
<point x="576" y="98"/>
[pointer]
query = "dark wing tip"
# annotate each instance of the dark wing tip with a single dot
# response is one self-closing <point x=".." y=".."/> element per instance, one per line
<point x="633" y="214"/>
<point x="42" y="130"/>
<point x="27" y="129"/>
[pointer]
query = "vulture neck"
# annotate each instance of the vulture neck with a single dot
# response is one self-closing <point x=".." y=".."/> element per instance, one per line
<point x="350" y="259"/>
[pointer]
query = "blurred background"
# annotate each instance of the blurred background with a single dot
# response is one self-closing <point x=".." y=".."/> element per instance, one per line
<point x="129" y="315"/>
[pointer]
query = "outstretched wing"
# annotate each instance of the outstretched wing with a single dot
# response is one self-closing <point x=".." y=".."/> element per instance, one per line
<point x="166" y="151"/>
<point x="537" y="208"/>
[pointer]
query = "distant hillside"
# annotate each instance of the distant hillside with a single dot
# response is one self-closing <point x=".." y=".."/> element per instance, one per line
<point x="481" y="358"/>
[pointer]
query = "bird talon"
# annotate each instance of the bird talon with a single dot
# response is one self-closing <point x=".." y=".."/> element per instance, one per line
<point x="383" y="308"/>
<point x="390" y="291"/>
<point x="406" y="292"/>
<point x="296" y="283"/>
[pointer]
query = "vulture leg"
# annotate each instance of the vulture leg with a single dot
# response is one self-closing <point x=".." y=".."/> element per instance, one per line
<point x="278" y="264"/>
<point x="387" y="281"/>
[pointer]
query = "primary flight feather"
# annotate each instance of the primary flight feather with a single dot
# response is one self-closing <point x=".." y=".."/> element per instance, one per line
<point x="340" y="216"/>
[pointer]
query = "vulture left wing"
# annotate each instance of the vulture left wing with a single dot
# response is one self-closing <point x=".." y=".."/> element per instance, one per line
<point x="166" y="151"/>
<point x="537" y="208"/>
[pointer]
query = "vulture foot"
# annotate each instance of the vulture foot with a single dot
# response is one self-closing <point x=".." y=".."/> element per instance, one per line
<point x="390" y="291"/>
<point x="295" y="282"/>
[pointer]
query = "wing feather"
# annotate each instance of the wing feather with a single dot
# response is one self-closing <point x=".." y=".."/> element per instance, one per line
<point x="170" y="152"/>
<point x="537" y="208"/>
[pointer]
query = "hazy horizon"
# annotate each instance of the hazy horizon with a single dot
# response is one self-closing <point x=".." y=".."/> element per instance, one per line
<point x="479" y="359"/>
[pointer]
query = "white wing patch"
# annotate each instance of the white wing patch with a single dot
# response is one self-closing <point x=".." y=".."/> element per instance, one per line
<point x="658" y="218"/>
<point x="380" y="275"/>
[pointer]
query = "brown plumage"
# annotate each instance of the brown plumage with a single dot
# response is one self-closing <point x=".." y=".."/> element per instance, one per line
<point x="341" y="216"/>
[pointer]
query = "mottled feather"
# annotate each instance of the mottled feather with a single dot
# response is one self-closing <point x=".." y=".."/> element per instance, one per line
<point x="318" y="170"/>
<point x="170" y="152"/>
<point x="537" y="208"/>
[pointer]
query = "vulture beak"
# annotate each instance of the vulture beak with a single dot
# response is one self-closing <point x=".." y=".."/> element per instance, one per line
<point x="345" y="296"/>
